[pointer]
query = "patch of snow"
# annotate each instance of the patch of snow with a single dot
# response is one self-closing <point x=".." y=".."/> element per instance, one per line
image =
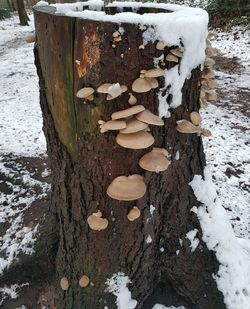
<point x="117" y="285"/>
<point x="157" y="306"/>
<point x="11" y="291"/>
<point x="152" y="209"/>
<point x="177" y="155"/>
<point x="194" y="242"/>
<point x="115" y="90"/>
<point x="149" y="239"/>
<point x="177" y="252"/>
<point x="162" y="249"/>
<point x="233" y="277"/>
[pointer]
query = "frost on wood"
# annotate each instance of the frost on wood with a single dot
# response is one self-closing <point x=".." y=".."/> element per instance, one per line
<point x="117" y="285"/>
<point x="233" y="277"/>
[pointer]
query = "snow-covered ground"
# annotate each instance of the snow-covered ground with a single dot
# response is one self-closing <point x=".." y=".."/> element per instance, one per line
<point x="227" y="151"/>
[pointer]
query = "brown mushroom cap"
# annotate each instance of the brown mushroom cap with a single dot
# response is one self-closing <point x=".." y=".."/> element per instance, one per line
<point x="114" y="125"/>
<point x="185" y="126"/>
<point x="206" y="133"/>
<point x="211" y="52"/>
<point x="172" y="58"/>
<point x="195" y="118"/>
<point x="134" y="214"/>
<point x="140" y="85"/>
<point x="154" y="162"/>
<point x="104" y="88"/>
<point x="211" y="96"/>
<point x="64" y="283"/>
<point x="208" y="73"/>
<point x="85" y="92"/>
<point x="128" y="188"/>
<point x="209" y="62"/>
<point x="84" y="281"/>
<point x="138" y="140"/>
<point x="128" y="112"/>
<point x="212" y="84"/>
<point x="97" y="223"/>
<point x="153" y="82"/>
<point x="150" y="118"/>
<point x="134" y="125"/>
<point x="156" y="72"/>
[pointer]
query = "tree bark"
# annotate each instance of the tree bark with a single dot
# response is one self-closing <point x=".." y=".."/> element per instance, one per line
<point x="23" y="17"/>
<point x="72" y="53"/>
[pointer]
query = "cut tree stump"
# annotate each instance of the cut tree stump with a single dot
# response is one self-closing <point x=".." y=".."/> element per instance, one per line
<point x="72" y="53"/>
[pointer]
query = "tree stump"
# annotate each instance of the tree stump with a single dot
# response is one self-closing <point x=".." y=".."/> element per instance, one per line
<point x="72" y="53"/>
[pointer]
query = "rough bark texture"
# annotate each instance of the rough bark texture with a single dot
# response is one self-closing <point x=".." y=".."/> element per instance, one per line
<point x="23" y="17"/>
<point x="85" y="162"/>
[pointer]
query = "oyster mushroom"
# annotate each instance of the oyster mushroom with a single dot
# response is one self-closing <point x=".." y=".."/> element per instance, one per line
<point x="138" y="140"/>
<point x="134" y="214"/>
<point x="153" y="82"/>
<point x="85" y="93"/>
<point x="172" y="58"/>
<point x="112" y="125"/>
<point x="64" y="283"/>
<point x="116" y="34"/>
<point x="203" y="103"/>
<point x="161" y="151"/>
<point x="178" y="52"/>
<point x="128" y="188"/>
<point x="154" y="162"/>
<point x="134" y="125"/>
<point x="140" y="85"/>
<point x="160" y="45"/>
<point x="128" y="112"/>
<point x="156" y="72"/>
<point x="206" y="133"/>
<point x="132" y="99"/>
<point x="211" y="52"/>
<point x="185" y="126"/>
<point x="97" y="223"/>
<point x="209" y="62"/>
<point x="195" y="118"/>
<point x="104" y="88"/>
<point x="84" y="281"/>
<point x="208" y="73"/>
<point x="211" y="96"/>
<point x="212" y="84"/>
<point x="150" y="118"/>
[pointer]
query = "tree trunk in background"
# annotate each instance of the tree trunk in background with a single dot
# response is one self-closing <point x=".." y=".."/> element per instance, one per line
<point x="72" y="53"/>
<point x="22" y="13"/>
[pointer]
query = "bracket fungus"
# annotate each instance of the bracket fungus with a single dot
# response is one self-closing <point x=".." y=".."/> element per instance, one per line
<point x="138" y="140"/>
<point x="96" y="222"/>
<point x="128" y="112"/>
<point x="134" y="125"/>
<point x="150" y="118"/>
<point x="134" y="214"/>
<point x="84" y="281"/>
<point x="86" y="93"/>
<point x="64" y="283"/>
<point x="154" y="161"/>
<point x="128" y="188"/>
<point x="112" y="125"/>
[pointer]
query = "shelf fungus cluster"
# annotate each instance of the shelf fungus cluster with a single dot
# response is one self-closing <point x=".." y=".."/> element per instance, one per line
<point x="193" y="126"/>
<point x="208" y="85"/>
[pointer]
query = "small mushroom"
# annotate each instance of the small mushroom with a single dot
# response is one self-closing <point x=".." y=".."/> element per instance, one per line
<point x="112" y="125"/>
<point x="97" y="223"/>
<point x="128" y="112"/>
<point x="156" y="72"/>
<point x="154" y="162"/>
<point x="134" y="214"/>
<point x="118" y="39"/>
<point x="116" y="34"/>
<point x="153" y="82"/>
<point x="140" y="85"/>
<point x="209" y="62"/>
<point x="203" y="103"/>
<point x="132" y="99"/>
<point x="172" y="58"/>
<point x="150" y="118"/>
<point x="104" y="88"/>
<point x="64" y="283"/>
<point x="195" y="118"/>
<point x="211" y="52"/>
<point x="138" y="140"/>
<point x="212" y="84"/>
<point x="185" y="126"/>
<point x="141" y="46"/>
<point x="31" y="38"/>
<point x="84" y="281"/>
<point x="211" y="96"/>
<point x="160" y="45"/>
<point x="85" y="93"/>
<point x="203" y="92"/>
<point x="211" y="35"/>
<point x="208" y="73"/>
<point x="178" y="52"/>
<point x="128" y="188"/>
<point x="134" y="125"/>
<point x="206" y="133"/>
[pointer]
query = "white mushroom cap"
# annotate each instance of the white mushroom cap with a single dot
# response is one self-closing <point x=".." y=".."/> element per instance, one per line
<point x="128" y="188"/>
<point x="134" y="214"/>
<point x="85" y="92"/>
<point x="150" y="118"/>
<point x="154" y="162"/>
<point x="195" y="118"/>
<point x="128" y="112"/>
<point x="172" y="58"/>
<point x="185" y="126"/>
<point x="64" y="283"/>
<point x="97" y="223"/>
<point x="134" y="125"/>
<point x="138" y="140"/>
<point x="84" y="281"/>
<point x="156" y="72"/>
<point x="140" y="85"/>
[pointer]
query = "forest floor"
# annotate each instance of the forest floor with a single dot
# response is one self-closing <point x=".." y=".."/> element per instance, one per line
<point x="24" y="170"/>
